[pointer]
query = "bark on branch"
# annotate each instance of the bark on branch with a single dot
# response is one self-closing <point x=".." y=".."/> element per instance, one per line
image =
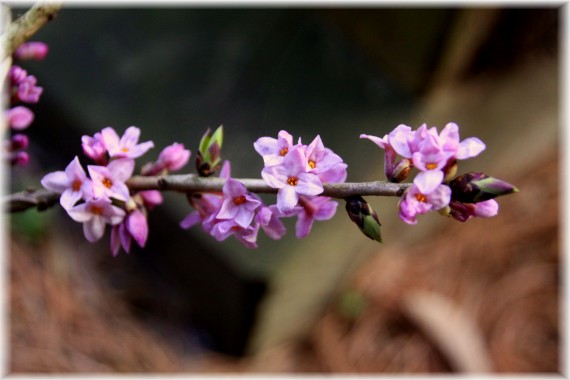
<point x="190" y="183"/>
<point x="28" y="24"/>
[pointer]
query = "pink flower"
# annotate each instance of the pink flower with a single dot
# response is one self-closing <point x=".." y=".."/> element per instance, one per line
<point x="151" y="198"/>
<point x="72" y="183"/>
<point x="19" y="158"/>
<point x="28" y="91"/>
<point x="173" y="157"/>
<point x="246" y="235"/>
<point x="292" y="180"/>
<point x="17" y="75"/>
<point x="127" y="146"/>
<point x="415" y="203"/>
<point x="470" y="147"/>
<point x="238" y="204"/>
<point x="133" y="226"/>
<point x="95" y="214"/>
<point x="19" y="117"/>
<point x="109" y="181"/>
<point x="94" y="148"/>
<point x="273" y="150"/>
<point x="311" y="209"/>
<point x="323" y="162"/>
<point x="431" y="159"/>
<point x="268" y="219"/>
<point x="32" y="50"/>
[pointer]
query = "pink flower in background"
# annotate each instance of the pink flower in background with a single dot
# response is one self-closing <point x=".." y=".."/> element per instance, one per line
<point x="292" y="180"/>
<point x="151" y="198"/>
<point x="17" y="75"/>
<point x="72" y="184"/>
<point x="32" y="50"/>
<point x="19" y="117"/>
<point x="273" y="150"/>
<point x="127" y="146"/>
<point x="172" y="158"/>
<point x="415" y="203"/>
<point x="238" y="204"/>
<point x="109" y="181"/>
<point x="95" y="214"/>
<point x="27" y="91"/>
<point x="94" y="148"/>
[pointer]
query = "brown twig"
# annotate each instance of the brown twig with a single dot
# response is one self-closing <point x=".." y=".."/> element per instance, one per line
<point x="190" y="183"/>
<point x="28" y="24"/>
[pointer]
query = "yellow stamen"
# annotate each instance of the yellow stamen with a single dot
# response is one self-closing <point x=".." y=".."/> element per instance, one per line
<point x="239" y="200"/>
<point x="107" y="183"/>
<point x="312" y="164"/>
<point x="283" y="151"/>
<point x="76" y="185"/>
<point x="125" y="150"/>
<point x="96" y="210"/>
<point x="421" y="198"/>
<point x="431" y="166"/>
<point x="293" y="181"/>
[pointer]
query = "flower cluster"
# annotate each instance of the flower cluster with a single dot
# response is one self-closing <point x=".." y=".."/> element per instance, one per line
<point x="101" y="197"/>
<point x="233" y="212"/>
<point x="23" y="89"/>
<point x="297" y="171"/>
<point x="435" y="155"/>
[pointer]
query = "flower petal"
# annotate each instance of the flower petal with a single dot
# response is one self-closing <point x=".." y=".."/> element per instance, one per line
<point x="56" y="181"/>
<point x="428" y="181"/>
<point x="470" y="147"/>
<point x="287" y="198"/>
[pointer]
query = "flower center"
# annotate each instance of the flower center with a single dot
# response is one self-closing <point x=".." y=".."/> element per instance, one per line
<point x="76" y="185"/>
<point x="283" y="151"/>
<point x="239" y="200"/>
<point x="312" y="164"/>
<point x="421" y="198"/>
<point x="96" y="210"/>
<point x="293" y="181"/>
<point x="236" y="228"/>
<point x="125" y="150"/>
<point x="431" y="165"/>
<point x="107" y="183"/>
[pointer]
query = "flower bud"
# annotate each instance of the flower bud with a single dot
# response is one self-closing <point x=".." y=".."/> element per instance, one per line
<point x="400" y="171"/>
<point x="32" y="50"/>
<point x="208" y="157"/>
<point x="478" y="187"/>
<point x="19" y="141"/>
<point x="360" y="212"/>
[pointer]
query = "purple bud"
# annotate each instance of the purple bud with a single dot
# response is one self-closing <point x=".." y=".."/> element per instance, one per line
<point x="138" y="227"/>
<point x="477" y="187"/>
<point x="32" y="50"/>
<point x="19" y="141"/>
<point x="19" y="158"/>
<point x="19" y="117"/>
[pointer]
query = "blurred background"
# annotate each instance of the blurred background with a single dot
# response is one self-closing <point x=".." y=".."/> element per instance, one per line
<point x="440" y="296"/>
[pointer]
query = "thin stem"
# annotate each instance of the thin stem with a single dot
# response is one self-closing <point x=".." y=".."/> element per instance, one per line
<point x="28" y="24"/>
<point x="190" y="183"/>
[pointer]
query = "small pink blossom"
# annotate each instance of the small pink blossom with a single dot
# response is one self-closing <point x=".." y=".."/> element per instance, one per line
<point x="323" y="162"/>
<point x="415" y="203"/>
<point x="109" y="181"/>
<point x="430" y="159"/>
<point x="19" y="117"/>
<point x="72" y="184"/>
<point x="94" y="148"/>
<point x="311" y="209"/>
<point x="19" y="158"/>
<point x="32" y="50"/>
<point x="273" y="150"/>
<point x="246" y="235"/>
<point x="470" y="147"/>
<point x="127" y="146"/>
<point x="95" y="214"/>
<point x="172" y="158"/>
<point x="151" y="198"/>
<point x="27" y="91"/>
<point x="268" y="218"/>
<point x="292" y="180"/>
<point x="238" y="204"/>
<point x="17" y="75"/>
